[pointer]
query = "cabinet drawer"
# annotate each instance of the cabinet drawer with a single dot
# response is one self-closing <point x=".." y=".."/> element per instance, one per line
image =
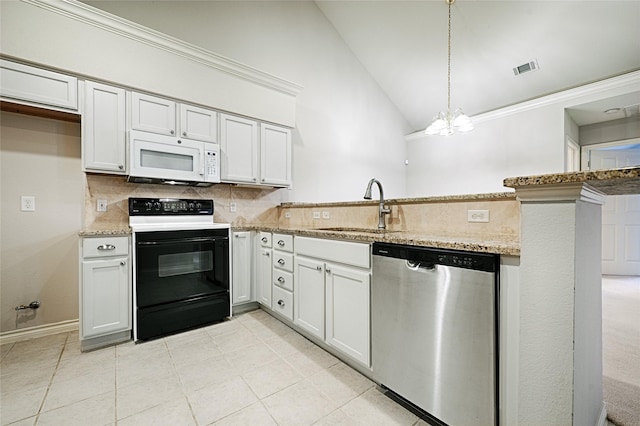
<point x="265" y="239"/>
<point x="283" y="242"/>
<point x="282" y="260"/>
<point x="346" y="252"/>
<point x="105" y="246"/>
<point x="283" y="279"/>
<point x="283" y="302"/>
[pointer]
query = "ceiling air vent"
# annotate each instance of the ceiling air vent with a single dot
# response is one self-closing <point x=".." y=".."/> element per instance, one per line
<point x="525" y="68"/>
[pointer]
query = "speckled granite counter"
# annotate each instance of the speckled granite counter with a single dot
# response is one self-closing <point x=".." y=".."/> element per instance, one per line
<point x="105" y="232"/>
<point x="511" y="248"/>
<point x="623" y="181"/>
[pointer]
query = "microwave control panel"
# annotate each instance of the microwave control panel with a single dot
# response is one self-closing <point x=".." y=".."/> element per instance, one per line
<point x="211" y="165"/>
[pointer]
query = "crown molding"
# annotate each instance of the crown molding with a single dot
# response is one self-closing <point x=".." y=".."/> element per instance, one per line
<point x="105" y="21"/>
<point x="565" y="95"/>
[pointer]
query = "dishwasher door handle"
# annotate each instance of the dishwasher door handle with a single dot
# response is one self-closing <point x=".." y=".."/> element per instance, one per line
<point x="416" y="266"/>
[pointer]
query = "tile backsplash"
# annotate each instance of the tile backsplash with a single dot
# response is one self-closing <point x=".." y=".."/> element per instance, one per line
<point x="253" y="205"/>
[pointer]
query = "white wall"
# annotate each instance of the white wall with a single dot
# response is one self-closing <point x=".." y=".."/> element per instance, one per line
<point x="39" y="250"/>
<point x="525" y="139"/>
<point x="616" y="130"/>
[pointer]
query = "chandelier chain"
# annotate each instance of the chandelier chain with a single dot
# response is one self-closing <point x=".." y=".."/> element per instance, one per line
<point x="449" y="60"/>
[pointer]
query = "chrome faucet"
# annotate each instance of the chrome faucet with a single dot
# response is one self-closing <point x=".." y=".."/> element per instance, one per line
<point x="382" y="210"/>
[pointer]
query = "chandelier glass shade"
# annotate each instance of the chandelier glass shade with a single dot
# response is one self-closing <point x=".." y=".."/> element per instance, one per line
<point x="446" y="122"/>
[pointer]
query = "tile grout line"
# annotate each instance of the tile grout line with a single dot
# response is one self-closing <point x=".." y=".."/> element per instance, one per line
<point x="55" y="371"/>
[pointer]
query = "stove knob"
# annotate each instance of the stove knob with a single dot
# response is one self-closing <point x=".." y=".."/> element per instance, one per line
<point x="148" y="205"/>
<point x="157" y="205"/>
<point x="198" y="206"/>
<point x="192" y="206"/>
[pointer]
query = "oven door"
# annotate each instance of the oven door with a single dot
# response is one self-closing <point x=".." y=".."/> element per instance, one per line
<point x="165" y="157"/>
<point x="181" y="280"/>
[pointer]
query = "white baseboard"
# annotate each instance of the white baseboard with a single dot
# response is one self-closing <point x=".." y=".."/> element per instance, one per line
<point x="38" y="331"/>
<point x="602" y="418"/>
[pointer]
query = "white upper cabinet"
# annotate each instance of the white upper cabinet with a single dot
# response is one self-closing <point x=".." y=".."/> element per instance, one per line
<point x="34" y="85"/>
<point x="198" y="123"/>
<point x="254" y="153"/>
<point x="103" y="128"/>
<point x="153" y="114"/>
<point x="275" y="155"/>
<point x="238" y="149"/>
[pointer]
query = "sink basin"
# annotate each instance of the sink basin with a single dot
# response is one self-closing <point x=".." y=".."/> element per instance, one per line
<point x="349" y="229"/>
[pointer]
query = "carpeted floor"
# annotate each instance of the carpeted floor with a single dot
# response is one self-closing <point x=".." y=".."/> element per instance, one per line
<point x="621" y="348"/>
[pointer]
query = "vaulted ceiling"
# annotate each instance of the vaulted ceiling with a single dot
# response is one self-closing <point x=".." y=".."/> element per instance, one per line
<point x="403" y="44"/>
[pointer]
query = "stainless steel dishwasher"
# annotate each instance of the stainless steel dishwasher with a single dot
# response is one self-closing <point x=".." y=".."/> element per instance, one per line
<point x="434" y="327"/>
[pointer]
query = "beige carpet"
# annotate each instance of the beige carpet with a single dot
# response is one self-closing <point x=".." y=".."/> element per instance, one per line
<point x="621" y="349"/>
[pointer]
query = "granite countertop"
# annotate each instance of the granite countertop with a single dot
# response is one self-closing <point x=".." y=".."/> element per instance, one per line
<point x="623" y="181"/>
<point x="504" y="247"/>
<point x="105" y="232"/>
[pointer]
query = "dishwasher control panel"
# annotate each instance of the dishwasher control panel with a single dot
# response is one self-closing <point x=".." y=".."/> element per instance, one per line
<point x="434" y="256"/>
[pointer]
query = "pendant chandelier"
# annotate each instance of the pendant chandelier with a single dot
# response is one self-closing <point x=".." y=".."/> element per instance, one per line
<point x="446" y="123"/>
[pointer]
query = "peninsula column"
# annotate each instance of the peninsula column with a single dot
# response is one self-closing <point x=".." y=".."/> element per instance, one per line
<point x="560" y="326"/>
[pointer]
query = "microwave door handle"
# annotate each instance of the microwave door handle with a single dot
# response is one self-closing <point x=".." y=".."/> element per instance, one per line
<point x="202" y="156"/>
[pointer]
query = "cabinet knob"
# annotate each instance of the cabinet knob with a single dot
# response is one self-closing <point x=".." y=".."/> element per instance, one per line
<point x="121" y="167"/>
<point x="281" y="303"/>
<point x="319" y="268"/>
<point x="184" y="134"/>
<point x="263" y="179"/>
<point x="281" y="280"/>
<point x="264" y="239"/>
<point x="328" y="271"/>
<point x="266" y="254"/>
<point x="173" y="132"/>
<point x="281" y="261"/>
<point x="281" y="243"/>
<point x="123" y="262"/>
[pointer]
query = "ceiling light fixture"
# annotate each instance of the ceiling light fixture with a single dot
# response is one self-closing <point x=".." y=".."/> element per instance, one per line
<point x="447" y="123"/>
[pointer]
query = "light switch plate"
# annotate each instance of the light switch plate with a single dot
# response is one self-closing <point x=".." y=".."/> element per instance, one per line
<point x="478" y="216"/>
<point x="28" y="203"/>
<point x="326" y="215"/>
<point x="316" y="215"/>
<point x="102" y="205"/>
<point x="233" y="207"/>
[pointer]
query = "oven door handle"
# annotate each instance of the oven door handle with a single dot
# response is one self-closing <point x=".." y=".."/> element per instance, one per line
<point x="181" y="240"/>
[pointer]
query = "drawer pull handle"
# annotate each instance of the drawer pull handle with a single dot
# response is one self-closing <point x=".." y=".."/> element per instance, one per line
<point x="102" y="247"/>
<point x="264" y="240"/>
<point x="319" y="268"/>
<point x="281" y="280"/>
<point x="281" y="303"/>
<point x="281" y="243"/>
<point x="281" y="261"/>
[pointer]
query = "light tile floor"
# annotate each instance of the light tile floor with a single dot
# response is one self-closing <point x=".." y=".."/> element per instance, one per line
<point x="250" y="370"/>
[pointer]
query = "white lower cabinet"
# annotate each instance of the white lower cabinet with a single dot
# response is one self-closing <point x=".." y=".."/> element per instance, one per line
<point x="105" y="289"/>
<point x="332" y="299"/>
<point x="348" y="311"/>
<point x="263" y="269"/>
<point x="309" y="295"/>
<point x="241" y="267"/>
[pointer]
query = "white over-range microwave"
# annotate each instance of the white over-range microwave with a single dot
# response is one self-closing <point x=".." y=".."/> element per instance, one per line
<point x="155" y="158"/>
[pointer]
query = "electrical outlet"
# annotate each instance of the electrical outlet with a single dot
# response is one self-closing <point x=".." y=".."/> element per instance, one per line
<point x="28" y="203"/>
<point x="316" y="215"/>
<point x="233" y="207"/>
<point x="478" y="216"/>
<point x="326" y="215"/>
<point x="102" y="206"/>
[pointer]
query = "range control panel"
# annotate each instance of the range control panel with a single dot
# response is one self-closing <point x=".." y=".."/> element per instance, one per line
<point x="169" y="206"/>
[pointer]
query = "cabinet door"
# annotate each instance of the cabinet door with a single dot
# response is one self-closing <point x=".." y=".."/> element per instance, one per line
<point x="348" y="306"/>
<point x="198" y="123"/>
<point x="238" y="149"/>
<point x="153" y="114"/>
<point x="103" y="128"/>
<point x="263" y="277"/>
<point x="275" y="155"/>
<point x="106" y="306"/>
<point x="308" y="306"/>
<point x="241" y="267"/>
<point x="31" y="84"/>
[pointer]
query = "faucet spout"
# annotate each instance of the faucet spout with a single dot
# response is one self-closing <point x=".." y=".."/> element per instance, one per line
<point x="382" y="210"/>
